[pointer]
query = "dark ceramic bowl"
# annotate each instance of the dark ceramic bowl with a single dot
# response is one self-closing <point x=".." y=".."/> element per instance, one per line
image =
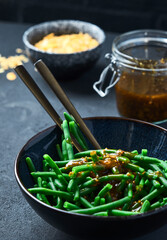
<point x="110" y="132"/>
<point x="64" y="65"/>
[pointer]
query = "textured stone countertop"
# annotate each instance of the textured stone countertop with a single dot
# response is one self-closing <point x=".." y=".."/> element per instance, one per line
<point x="21" y="117"/>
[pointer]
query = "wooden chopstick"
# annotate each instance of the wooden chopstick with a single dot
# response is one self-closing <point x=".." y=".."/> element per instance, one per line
<point x="48" y="76"/>
<point x="35" y="90"/>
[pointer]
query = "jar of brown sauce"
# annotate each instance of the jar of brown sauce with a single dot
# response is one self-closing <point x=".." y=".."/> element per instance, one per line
<point x="138" y="63"/>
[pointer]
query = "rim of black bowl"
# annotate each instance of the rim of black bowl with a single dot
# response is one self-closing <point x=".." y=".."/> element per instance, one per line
<point x="29" y="30"/>
<point x="106" y="218"/>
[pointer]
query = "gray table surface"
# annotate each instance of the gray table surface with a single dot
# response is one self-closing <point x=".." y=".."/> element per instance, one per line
<point x="21" y="117"/>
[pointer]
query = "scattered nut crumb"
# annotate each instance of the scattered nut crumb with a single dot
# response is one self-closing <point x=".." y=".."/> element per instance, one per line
<point x="11" y="62"/>
<point x="11" y="76"/>
<point x="19" y="50"/>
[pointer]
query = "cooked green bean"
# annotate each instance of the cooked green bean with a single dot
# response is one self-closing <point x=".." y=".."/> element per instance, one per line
<point x="42" y="196"/>
<point x="153" y="194"/>
<point x="104" y="190"/>
<point x="67" y="137"/>
<point x="69" y="118"/>
<point x="70" y="206"/>
<point x="103" y="207"/>
<point x="53" y="165"/>
<point x="73" y="129"/>
<point x="145" y="207"/>
<point x="134" y="168"/>
<point x="116" y="212"/>
<point x="85" y="203"/>
<point x="64" y="150"/>
<point x="59" y="152"/>
<point x="104" y="214"/>
<point x="30" y="164"/>
<point x="97" y="201"/>
<point x="46" y="191"/>
<point x="99" y="152"/>
<point x="130" y="191"/>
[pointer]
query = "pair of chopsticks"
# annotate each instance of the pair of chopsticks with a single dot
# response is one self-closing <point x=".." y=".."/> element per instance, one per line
<point x="54" y="85"/>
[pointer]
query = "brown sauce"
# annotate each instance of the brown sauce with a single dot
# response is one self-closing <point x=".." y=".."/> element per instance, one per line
<point x="142" y="95"/>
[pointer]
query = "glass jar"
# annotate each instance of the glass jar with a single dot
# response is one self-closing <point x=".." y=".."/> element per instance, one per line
<point x="138" y="63"/>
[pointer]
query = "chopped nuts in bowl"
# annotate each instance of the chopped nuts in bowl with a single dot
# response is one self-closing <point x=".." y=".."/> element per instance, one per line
<point x="65" y="64"/>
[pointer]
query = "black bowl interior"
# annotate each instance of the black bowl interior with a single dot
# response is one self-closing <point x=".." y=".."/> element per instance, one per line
<point x="111" y="132"/>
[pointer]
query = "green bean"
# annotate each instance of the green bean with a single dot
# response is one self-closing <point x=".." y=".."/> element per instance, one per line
<point x="53" y="165"/>
<point x="137" y="179"/>
<point x="30" y="164"/>
<point x="39" y="197"/>
<point x="103" y="207"/>
<point x="126" y="206"/>
<point x="116" y="212"/>
<point x="87" y="167"/>
<point x="46" y="191"/>
<point x="42" y="196"/>
<point x="51" y="185"/>
<point x="63" y="180"/>
<point x="163" y="181"/>
<point x="71" y="185"/>
<point x="59" y="152"/>
<point x="144" y="152"/>
<point x="59" y="203"/>
<point x="130" y="191"/>
<point x="102" y="201"/>
<point x="153" y="194"/>
<point x="66" y="175"/>
<point x="59" y="185"/>
<point x="155" y="183"/>
<point x="97" y="201"/>
<point x="76" y="194"/>
<point x="155" y="205"/>
<point x="48" y="174"/>
<point x="145" y="207"/>
<point x="108" y="197"/>
<point x="135" y="152"/>
<point x="129" y="155"/>
<point x="68" y="140"/>
<point x="104" y="214"/>
<point x="69" y="118"/>
<point x="121" y="185"/>
<point x="74" y="131"/>
<point x="86" y="191"/>
<point x="104" y="190"/>
<point x="141" y="184"/>
<point x="45" y="166"/>
<point x="85" y="203"/>
<point x="123" y="159"/>
<point x="146" y="159"/>
<point x="94" y="156"/>
<point x="70" y="206"/>
<point x="116" y="177"/>
<point x="135" y="168"/>
<point x="64" y="150"/>
<point x="62" y="163"/>
<point x="107" y="178"/>
<point x="99" y="152"/>
<point x="151" y="160"/>
<point x="147" y="182"/>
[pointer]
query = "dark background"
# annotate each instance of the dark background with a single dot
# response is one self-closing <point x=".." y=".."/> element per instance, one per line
<point x="111" y="15"/>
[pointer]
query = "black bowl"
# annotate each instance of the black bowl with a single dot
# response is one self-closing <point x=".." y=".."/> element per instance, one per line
<point x="111" y="132"/>
<point x="64" y="66"/>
